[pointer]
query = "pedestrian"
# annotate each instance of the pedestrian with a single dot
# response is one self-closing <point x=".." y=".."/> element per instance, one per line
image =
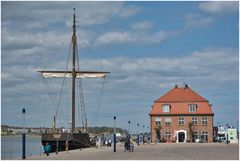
<point x="47" y="148"/>
<point x="110" y="142"/>
<point x="131" y="146"/>
<point x="106" y="142"/>
<point x="66" y="146"/>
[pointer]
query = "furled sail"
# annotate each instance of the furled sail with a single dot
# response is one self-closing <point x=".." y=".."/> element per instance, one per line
<point x="79" y="74"/>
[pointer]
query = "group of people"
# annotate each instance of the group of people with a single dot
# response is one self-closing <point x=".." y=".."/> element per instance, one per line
<point x="108" y="142"/>
<point x="128" y="145"/>
<point x="105" y="142"/>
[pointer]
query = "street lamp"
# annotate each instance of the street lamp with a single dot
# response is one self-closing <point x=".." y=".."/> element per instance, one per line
<point x="138" y="133"/>
<point x="129" y="135"/>
<point x="143" y="133"/>
<point x="148" y="133"/>
<point x="128" y="127"/>
<point x="227" y="133"/>
<point x="23" y="135"/>
<point x="114" y="134"/>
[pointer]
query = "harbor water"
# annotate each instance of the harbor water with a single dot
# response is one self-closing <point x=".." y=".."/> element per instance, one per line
<point x="11" y="146"/>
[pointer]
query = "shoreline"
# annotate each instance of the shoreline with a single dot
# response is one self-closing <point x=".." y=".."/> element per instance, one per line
<point x="20" y="135"/>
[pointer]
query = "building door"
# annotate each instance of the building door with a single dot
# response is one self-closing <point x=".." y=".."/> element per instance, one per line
<point x="181" y="137"/>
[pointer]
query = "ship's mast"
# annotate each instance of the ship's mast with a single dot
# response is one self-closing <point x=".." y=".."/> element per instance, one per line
<point x="74" y="42"/>
<point x="74" y="74"/>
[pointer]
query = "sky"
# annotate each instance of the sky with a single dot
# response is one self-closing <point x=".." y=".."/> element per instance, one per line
<point x="147" y="47"/>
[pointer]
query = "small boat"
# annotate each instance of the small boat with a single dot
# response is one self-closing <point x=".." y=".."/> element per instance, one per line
<point x="73" y="139"/>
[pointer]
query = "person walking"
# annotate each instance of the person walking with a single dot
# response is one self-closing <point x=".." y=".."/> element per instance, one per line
<point x="66" y="146"/>
<point x="47" y="148"/>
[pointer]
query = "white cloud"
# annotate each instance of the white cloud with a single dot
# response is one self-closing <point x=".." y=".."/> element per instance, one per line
<point x="210" y="65"/>
<point x="132" y="37"/>
<point x="88" y="13"/>
<point x="216" y="7"/>
<point x="129" y="11"/>
<point x="141" y="25"/>
<point x="196" y="20"/>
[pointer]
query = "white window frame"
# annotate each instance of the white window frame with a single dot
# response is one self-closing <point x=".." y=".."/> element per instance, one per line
<point x="194" y="120"/>
<point x="205" y="135"/>
<point x="192" y="108"/>
<point x="167" y="121"/>
<point x="168" y="134"/>
<point x="158" y="121"/>
<point x="204" y="120"/>
<point x="181" y="121"/>
<point x="195" y="135"/>
<point x="166" y="108"/>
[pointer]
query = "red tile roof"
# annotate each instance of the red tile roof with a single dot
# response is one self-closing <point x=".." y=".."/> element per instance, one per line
<point x="185" y="94"/>
<point x="179" y="100"/>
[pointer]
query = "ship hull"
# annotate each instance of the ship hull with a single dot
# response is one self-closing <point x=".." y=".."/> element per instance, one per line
<point x="58" y="141"/>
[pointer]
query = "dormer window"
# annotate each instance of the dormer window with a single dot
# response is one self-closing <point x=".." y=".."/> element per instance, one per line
<point x="166" y="108"/>
<point x="192" y="107"/>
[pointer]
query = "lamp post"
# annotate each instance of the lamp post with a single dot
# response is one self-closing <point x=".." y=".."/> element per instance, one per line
<point x="138" y="134"/>
<point x="128" y="127"/>
<point x="23" y="135"/>
<point x="143" y="133"/>
<point x="114" y="134"/>
<point x="148" y="134"/>
<point x="227" y="133"/>
<point x="129" y="135"/>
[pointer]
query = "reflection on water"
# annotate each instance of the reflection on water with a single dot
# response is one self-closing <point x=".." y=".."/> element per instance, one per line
<point x="11" y="146"/>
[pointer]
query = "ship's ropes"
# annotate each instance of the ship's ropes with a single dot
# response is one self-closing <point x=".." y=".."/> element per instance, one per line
<point x="57" y="102"/>
<point x="45" y="81"/>
<point x="81" y="111"/>
<point x="53" y="55"/>
<point x="99" y="102"/>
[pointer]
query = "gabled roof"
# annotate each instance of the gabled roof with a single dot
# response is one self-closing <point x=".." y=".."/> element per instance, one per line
<point x="184" y="94"/>
<point x="179" y="100"/>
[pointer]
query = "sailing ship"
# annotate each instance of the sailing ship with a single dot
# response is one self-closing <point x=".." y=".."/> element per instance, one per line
<point x="74" y="139"/>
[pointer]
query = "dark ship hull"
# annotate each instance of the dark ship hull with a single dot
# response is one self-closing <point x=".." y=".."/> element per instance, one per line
<point x="75" y="141"/>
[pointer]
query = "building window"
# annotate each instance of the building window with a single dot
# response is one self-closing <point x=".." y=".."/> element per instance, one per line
<point x="192" y="107"/>
<point x="194" y="120"/>
<point x="195" y="135"/>
<point x="157" y="120"/>
<point x="167" y="121"/>
<point x="166" y="108"/>
<point x="181" y="121"/>
<point x="204" y="136"/>
<point x="168" y="134"/>
<point x="204" y="120"/>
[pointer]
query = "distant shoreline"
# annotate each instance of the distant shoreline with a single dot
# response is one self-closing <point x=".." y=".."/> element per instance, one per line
<point x="20" y="135"/>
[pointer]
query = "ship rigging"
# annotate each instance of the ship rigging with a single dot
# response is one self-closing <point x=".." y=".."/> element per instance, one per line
<point x="76" y="140"/>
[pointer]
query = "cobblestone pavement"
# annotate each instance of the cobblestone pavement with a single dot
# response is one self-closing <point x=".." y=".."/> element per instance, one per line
<point x="184" y="151"/>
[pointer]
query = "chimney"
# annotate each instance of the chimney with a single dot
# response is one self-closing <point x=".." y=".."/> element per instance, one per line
<point x="176" y="86"/>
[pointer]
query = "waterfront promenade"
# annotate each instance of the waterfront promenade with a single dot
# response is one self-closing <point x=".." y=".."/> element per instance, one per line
<point x="187" y="151"/>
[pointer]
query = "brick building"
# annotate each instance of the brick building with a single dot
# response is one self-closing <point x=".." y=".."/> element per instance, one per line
<point x="181" y="115"/>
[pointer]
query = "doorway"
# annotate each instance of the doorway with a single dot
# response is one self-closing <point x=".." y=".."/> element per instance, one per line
<point x="181" y="137"/>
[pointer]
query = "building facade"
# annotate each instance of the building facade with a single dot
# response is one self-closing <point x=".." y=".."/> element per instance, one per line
<point x="231" y="135"/>
<point x="181" y="115"/>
